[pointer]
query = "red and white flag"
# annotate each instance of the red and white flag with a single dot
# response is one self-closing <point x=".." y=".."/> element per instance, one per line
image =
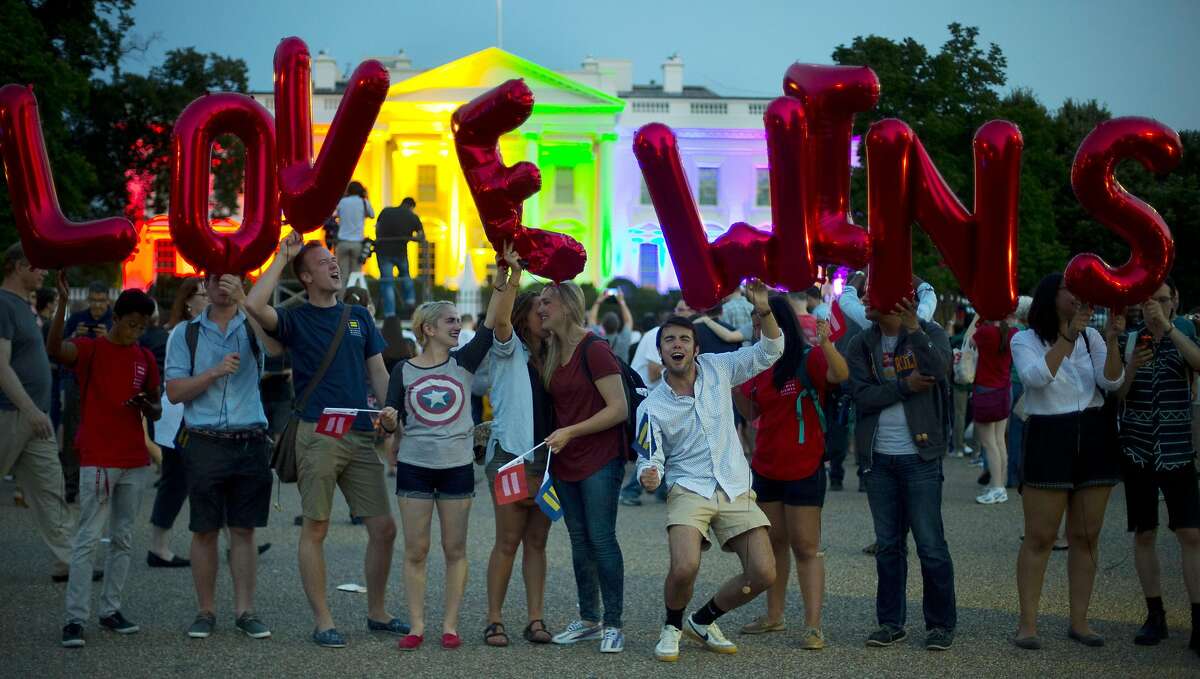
<point x="511" y="485"/>
<point x="336" y="422"/>
<point x="837" y="322"/>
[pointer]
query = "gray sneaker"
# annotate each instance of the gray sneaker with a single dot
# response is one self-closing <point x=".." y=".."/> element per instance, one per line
<point x="252" y="626"/>
<point x="202" y="626"/>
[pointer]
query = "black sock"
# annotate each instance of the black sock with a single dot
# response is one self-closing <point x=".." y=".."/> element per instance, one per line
<point x="708" y="614"/>
<point x="1195" y="640"/>
<point x="1154" y="604"/>
<point x="675" y="617"/>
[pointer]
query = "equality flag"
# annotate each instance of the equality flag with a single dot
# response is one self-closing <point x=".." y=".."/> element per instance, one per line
<point x="643" y="443"/>
<point x="837" y="321"/>
<point x="510" y="484"/>
<point x="547" y="498"/>
<point x="335" y="422"/>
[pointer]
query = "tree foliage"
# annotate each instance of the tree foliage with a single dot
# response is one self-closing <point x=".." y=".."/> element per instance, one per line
<point x="100" y="123"/>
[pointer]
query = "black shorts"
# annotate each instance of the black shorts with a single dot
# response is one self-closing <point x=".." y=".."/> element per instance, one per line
<point x="807" y="492"/>
<point x="423" y="483"/>
<point x="1179" y="487"/>
<point x="1070" y="451"/>
<point x="229" y="481"/>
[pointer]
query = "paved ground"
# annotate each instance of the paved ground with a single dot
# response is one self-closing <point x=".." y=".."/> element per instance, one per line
<point x="983" y="542"/>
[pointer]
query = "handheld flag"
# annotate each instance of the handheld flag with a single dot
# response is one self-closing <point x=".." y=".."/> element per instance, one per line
<point x="547" y="498"/>
<point x="837" y="322"/>
<point x="644" y="444"/>
<point x="510" y="484"/>
<point x="335" y="422"/>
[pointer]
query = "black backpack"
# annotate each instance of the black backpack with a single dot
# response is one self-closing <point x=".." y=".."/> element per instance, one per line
<point x="635" y="392"/>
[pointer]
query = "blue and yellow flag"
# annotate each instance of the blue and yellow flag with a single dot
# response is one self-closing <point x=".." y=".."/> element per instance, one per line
<point x="644" y="444"/>
<point x="547" y="497"/>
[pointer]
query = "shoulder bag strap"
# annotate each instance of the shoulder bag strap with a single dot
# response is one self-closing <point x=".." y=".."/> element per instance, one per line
<point x="328" y="359"/>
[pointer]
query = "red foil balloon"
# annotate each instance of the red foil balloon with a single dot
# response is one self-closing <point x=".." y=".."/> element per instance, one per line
<point x="200" y="123"/>
<point x="309" y="192"/>
<point x="808" y="148"/>
<point x="707" y="272"/>
<point x="49" y="239"/>
<point x="1151" y="249"/>
<point x="499" y="190"/>
<point x="830" y="96"/>
<point x="904" y="186"/>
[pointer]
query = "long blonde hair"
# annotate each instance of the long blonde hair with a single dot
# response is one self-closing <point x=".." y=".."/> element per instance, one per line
<point x="571" y="298"/>
<point x="429" y="312"/>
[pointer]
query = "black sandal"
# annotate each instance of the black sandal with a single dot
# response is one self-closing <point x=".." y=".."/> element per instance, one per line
<point x="495" y="631"/>
<point x="530" y="633"/>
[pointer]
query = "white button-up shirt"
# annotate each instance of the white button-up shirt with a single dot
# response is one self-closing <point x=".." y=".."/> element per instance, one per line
<point x="692" y="440"/>
<point x="1073" y="388"/>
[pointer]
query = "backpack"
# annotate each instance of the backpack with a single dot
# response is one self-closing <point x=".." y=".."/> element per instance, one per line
<point x="192" y="335"/>
<point x="808" y="390"/>
<point x="635" y="392"/>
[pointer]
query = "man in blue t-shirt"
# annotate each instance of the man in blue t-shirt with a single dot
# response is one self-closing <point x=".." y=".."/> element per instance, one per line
<point x="350" y="462"/>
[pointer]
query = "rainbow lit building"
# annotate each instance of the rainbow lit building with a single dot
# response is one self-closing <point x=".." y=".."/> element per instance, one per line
<point x="580" y="135"/>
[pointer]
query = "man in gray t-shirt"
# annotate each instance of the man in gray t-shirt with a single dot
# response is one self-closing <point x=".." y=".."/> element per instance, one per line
<point x="27" y="446"/>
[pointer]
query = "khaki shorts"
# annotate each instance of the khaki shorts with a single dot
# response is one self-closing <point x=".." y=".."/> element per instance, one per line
<point x="727" y="518"/>
<point x="349" y="463"/>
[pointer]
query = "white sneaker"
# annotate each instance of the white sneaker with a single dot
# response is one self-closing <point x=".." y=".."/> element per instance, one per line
<point x="709" y="635"/>
<point x="993" y="496"/>
<point x="667" y="649"/>
<point x="613" y="641"/>
<point x="577" y="631"/>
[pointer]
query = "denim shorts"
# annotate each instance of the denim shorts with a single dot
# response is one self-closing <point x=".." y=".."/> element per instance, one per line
<point x="806" y="492"/>
<point x="423" y="483"/>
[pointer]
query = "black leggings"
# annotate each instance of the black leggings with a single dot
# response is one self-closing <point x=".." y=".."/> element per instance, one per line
<point x="172" y="490"/>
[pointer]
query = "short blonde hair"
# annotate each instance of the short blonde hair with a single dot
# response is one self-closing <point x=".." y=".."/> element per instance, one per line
<point x="429" y="312"/>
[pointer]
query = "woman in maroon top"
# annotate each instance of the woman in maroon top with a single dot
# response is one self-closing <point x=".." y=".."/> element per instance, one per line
<point x="587" y="460"/>
<point x="788" y="465"/>
<point x="992" y="402"/>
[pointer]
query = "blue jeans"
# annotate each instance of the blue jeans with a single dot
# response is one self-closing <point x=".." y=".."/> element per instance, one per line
<point x="590" y="512"/>
<point x="1016" y="435"/>
<point x="387" y="283"/>
<point x="905" y="492"/>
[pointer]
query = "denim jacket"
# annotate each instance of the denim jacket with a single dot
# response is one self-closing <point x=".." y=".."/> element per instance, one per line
<point x="927" y="412"/>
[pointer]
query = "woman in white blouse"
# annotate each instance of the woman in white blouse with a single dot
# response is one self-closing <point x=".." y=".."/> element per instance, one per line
<point x="1070" y="458"/>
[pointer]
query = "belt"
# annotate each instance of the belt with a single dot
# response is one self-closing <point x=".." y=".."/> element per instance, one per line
<point x="230" y="435"/>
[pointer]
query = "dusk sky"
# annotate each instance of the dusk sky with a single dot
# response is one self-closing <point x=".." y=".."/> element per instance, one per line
<point x="1139" y="58"/>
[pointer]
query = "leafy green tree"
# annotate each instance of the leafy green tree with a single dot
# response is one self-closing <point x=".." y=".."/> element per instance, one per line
<point x="57" y="45"/>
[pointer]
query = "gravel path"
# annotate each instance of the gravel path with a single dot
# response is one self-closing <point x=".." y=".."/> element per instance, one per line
<point x="983" y="542"/>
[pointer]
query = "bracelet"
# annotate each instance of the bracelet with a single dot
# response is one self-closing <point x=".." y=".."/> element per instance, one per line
<point x="762" y="314"/>
<point x="388" y="431"/>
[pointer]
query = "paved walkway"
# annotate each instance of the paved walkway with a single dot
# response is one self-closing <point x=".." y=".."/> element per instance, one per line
<point x="983" y="541"/>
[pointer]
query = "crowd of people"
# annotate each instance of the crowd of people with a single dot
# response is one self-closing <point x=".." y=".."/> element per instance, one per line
<point x="738" y="418"/>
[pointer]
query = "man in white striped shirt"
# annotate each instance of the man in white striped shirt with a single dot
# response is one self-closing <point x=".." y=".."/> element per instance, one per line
<point x="686" y="433"/>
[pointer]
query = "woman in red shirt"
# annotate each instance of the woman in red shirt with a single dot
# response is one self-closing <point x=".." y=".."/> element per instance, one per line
<point x="788" y="466"/>
<point x="992" y="402"/>
<point x="587" y="460"/>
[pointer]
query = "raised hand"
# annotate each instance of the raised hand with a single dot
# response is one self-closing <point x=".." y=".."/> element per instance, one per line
<point x="756" y="293"/>
<point x="290" y="246"/>
<point x="823" y="332"/>
<point x="906" y="309"/>
<point x="232" y="286"/>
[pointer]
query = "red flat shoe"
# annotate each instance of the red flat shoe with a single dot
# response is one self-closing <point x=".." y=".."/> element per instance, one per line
<point x="410" y="642"/>
<point x="451" y="641"/>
